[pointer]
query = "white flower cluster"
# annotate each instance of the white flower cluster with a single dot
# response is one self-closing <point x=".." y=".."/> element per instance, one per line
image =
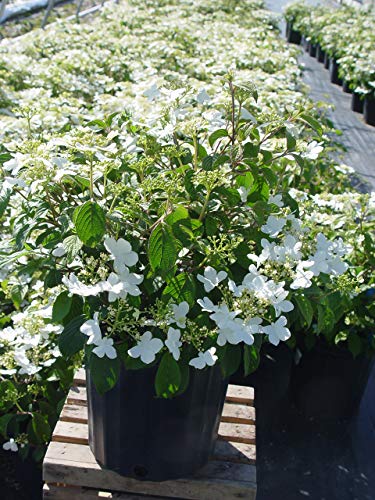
<point x="326" y="259"/>
<point x="119" y="283"/>
<point x="30" y="344"/>
<point x="232" y="328"/>
<point x="233" y="323"/>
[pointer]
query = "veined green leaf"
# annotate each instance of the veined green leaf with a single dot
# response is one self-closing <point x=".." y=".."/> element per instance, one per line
<point x="162" y="249"/>
<point x="89" y="221"/>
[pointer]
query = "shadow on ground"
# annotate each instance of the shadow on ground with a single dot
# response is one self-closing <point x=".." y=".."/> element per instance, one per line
<point x="299" y="458"/>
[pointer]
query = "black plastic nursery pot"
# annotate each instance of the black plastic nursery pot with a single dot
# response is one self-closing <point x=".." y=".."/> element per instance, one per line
<point x="312" y="49"/>
<point x="334" y="72"/>
<point x="271" y="382"/>
<point x="138" y="435"/>
<point x="320" y="54"/>
<point x="328" y="383"/>
<point x="326" y="60"/>
<point x="20" y="479"/>
<point x="369" y="109"/>
<point x="292" y="35"/>
<point x="346" y="88"/>
<point x="357" y="103"/>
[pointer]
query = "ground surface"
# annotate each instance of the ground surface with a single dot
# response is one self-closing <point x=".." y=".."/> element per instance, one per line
<point x="335" y="460"/>
<point x="358" y="137"/>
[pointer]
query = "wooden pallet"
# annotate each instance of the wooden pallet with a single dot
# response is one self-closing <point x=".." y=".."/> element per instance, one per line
<point x="70" y="470"/>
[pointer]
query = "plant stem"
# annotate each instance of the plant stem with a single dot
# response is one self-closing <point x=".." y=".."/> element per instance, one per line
<point x="195" y="152"/>
<point x="91" y="179"/>
<point x="201" y="215"/>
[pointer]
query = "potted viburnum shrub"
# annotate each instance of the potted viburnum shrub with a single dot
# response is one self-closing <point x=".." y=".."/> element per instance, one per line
<point x="335" y="335"/>
<point x="157" y="236"/>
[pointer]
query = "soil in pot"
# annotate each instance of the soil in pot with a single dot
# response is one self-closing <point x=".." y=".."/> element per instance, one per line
<point x="369" y="109"/>
<point x="271" y="382"/>
<point x="334" y="72"/>
<point x="357" y="103"/>
<point x="138" y="435"/>
<point x="328" y="383"/>
<point x="320" y="54"/>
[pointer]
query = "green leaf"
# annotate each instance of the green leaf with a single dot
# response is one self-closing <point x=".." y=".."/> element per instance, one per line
<point x="267" y="156"/>
<point x="168" y="377"/>
<point x="181" y="224"/>
<point x="48" y="238"/>
<point x="326" y="319"/>
<point x="162" y="249"/>
<point x="209" y="162"/>
<point x="104" y="372"/>
<point x="134" y="363"/>
<point x="185" y="378"/>
<point x="270" y="176"/>
<point x="290" y="141"/>
<point x="354" y="343"/>
<point x="218" y="134"/>
<point x="4" y="200"/>
<point x="305" y="308"/>
<point x="41" y="428"/>
<point x="89" y="221"/>
<point x="72" y="340"/>
<point x="178" y="213"/>
<point x="61" y="307"/>
<point x="291" y="202"/>
<point x="246" y="180"/>
<point x="181" y="288"/>
<point x="4" y="421"/>
<point x="8" y="395"/>
<point x="76" y="309"/>
<point x="72" y="245"/>
<point x="211" y="224"/>
<point x="260" y="191"/>
<point x="251" y="150"/>
<point x="53" y="278"/>
<point x="314" y="124"/>
<point x="4" y="157"/>
<point x="251" y="359"/>
<point x="230" y="358"/>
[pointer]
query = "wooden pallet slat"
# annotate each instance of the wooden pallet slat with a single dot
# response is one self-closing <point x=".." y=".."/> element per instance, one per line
<point x="57" y="492"/>
<point x="71" y="471"/>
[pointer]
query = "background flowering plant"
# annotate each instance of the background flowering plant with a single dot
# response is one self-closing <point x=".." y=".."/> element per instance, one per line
<point x="342" y="312"/>
<point x="346" y="34"/>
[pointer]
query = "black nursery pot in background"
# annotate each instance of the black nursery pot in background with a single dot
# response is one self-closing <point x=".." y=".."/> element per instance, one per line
<point x="334" y="72"/>
<point x="328" y="383"/>
<point x="312" y="49"/>
<point x="292" y="35"/>
<point x="346" y="88"/>
<point x="138" y="435"/>
<point x="320" y="54"/>
<point x="357" y="103"/>
<point x="326" y="60"/>
<point x="271" y="382"/>
<point x="369" y="109"/>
